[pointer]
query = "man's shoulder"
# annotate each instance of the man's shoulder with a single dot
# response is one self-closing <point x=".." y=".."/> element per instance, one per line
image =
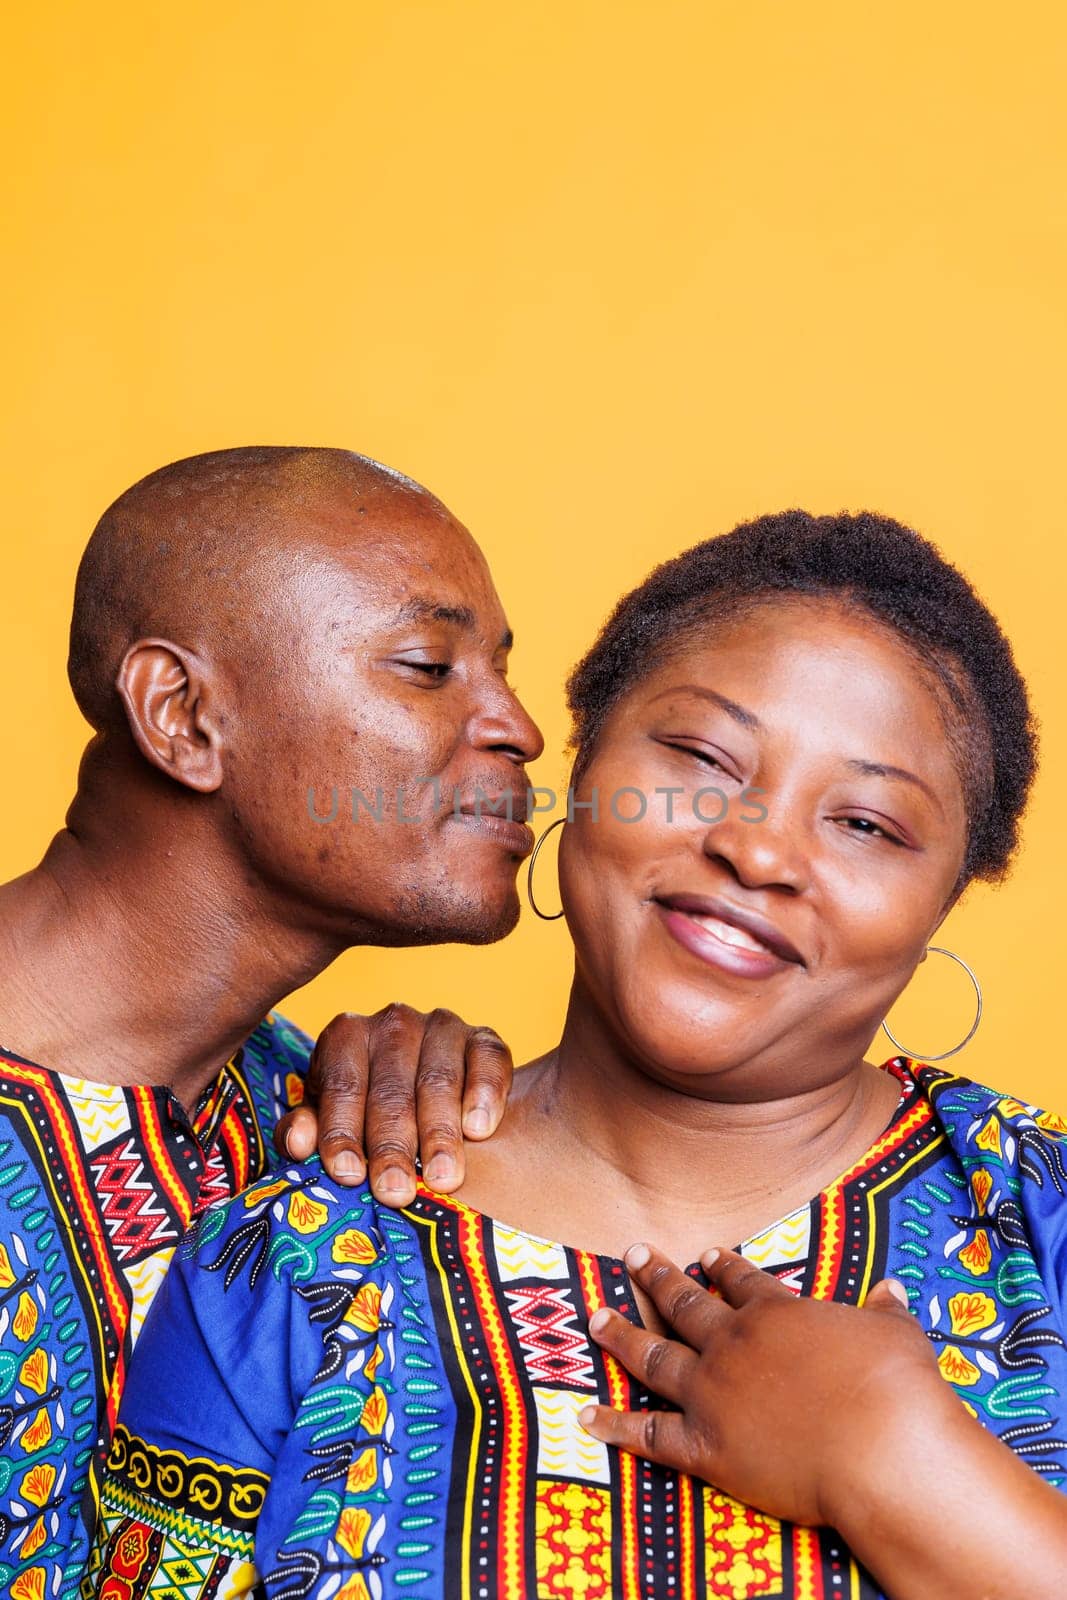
<point x="294" y="1217"/>
<point x="277" y="1044"/>
<point x="273" y="1061"/>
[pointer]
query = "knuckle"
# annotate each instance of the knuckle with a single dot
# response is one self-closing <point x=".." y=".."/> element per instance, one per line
<point x="739" y="1331"/>
<point x="649" y="1432"/>
<point x="391" y="1100"/>
<point x="341" y="1030"/>
<point x="492" y="1073"/>
<point x="488" y="1039"/>
<point x="439" y="1074"/>
<point x="345" y="1021"/>
<point x="391" y="1148"/>
<point x="391" y="1092"/>
<point x="302" y="1116"/>
<point x="711" y="1441"/>
<point x="341" y="1077"/>
<point x="685" y="1299"/>
<point x="438" y="1134"/>
<point x="396" y="1015"/>
<point x="397" y="1030"/>
<point x="739" y="1272"/>
<point x="441" y="1017"/>
<point x="655" y="1356"/>
<point x="334" y="1138"/>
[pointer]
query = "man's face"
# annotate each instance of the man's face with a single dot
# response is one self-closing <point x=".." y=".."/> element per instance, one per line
<point x="375" y="722"/>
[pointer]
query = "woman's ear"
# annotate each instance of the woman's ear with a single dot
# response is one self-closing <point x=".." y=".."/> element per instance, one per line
<point x="950" y="905"/>
<point x="167" y="694"/>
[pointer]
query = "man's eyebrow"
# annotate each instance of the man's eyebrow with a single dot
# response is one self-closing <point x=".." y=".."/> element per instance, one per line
<point x="747" y="719"/>
<point x="882" y="769"/>
<point x="432" y="611"/>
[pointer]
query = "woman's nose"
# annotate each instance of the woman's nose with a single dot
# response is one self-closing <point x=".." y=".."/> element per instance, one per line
<point x="760" y="851"/>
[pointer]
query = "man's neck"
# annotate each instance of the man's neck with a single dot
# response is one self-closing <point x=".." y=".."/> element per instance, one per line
<point x="145" y="963"/>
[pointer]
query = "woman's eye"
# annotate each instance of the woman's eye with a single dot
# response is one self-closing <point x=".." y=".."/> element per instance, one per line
<point x="868" y="829"/>
<point x="703" y="756"/>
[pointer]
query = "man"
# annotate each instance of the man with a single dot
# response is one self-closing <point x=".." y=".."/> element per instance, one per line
<point x="252" y="630"/>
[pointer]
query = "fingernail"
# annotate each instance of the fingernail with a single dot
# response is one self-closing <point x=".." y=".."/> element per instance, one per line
<point x="440" y="1170"/>
<point x="476" y="1122"/>
<point x="289" y="1142"/>
<point x="586" y="1415"/>
<point x="638" y="1256"/>
<point x="393" y="1181"/>
<point x="346" y="1164"/>
<point x="709" y="1258"/>
<point x="599" y="1320"/>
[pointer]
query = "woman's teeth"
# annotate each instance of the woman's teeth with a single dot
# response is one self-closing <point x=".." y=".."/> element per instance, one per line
<point x="727" y="932"/>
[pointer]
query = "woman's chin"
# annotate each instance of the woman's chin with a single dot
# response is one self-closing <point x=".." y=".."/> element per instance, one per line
<point x="704" y="1062"/>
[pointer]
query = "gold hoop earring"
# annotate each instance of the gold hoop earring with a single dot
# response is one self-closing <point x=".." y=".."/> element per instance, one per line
<point x="939" y="950"/>
<point x="530" y="871"/>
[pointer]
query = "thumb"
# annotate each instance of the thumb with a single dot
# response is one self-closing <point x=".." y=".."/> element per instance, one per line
<point x="888" y="1295"/>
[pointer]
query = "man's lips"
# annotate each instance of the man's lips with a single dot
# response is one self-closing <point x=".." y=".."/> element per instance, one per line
<point x="727" y="935"/>
<point x="497" y="817"/>
<point x="509" y="800"/>
<point x="511" y="804"/>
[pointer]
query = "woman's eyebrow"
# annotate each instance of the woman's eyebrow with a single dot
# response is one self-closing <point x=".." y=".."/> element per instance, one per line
<point x="882" y="769"/>
<point x="747" y="719"/>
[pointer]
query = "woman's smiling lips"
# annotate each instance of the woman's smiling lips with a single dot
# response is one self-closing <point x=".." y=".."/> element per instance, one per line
<point x="727" y="937"/>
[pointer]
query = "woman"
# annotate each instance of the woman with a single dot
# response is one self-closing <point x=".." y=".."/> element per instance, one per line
<point x="795" y="747"/>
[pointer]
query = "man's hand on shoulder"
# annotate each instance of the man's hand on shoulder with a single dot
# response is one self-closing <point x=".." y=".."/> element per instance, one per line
<point x="385" y="1088"/>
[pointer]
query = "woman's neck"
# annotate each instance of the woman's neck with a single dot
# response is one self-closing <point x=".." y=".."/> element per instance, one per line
<point x="597" y="1153"/>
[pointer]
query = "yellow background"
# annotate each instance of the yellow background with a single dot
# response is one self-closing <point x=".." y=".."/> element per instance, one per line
<point x="607" y="277"/>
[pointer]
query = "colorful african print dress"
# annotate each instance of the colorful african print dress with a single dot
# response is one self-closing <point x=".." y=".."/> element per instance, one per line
<point x="97" y="1185"/>
<point x="335" y="1400"/>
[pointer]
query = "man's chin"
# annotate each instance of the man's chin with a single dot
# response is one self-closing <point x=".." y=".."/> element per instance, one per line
<point x="473" y="922"/>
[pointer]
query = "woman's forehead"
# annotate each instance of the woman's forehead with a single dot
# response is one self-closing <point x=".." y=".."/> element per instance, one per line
<point x="813" y="662"/>
<point x="820" y="633"/>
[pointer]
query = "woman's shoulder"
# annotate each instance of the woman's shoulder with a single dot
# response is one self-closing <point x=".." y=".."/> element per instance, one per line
<point x="994" y="1121"/>
<point x="999" y="1134"/>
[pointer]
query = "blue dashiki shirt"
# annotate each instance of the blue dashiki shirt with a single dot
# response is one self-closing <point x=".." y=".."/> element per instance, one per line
<point x="335" y="1400"/>
<point x="97" y="1185"/>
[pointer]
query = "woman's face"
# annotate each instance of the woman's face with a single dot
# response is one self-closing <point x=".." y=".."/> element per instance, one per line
<point x="736" y="957"/>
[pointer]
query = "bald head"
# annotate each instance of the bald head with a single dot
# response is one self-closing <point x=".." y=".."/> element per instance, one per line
<point x="188" y="547"/>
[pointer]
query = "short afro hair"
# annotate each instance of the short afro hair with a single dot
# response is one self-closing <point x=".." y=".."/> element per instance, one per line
<point x="863" y="560"/>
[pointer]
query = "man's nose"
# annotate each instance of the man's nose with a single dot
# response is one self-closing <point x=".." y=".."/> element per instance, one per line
<point x="504" y="724"/>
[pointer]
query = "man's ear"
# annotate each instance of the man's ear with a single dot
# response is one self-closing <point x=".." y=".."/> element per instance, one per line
<point x="167" y="693"/>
